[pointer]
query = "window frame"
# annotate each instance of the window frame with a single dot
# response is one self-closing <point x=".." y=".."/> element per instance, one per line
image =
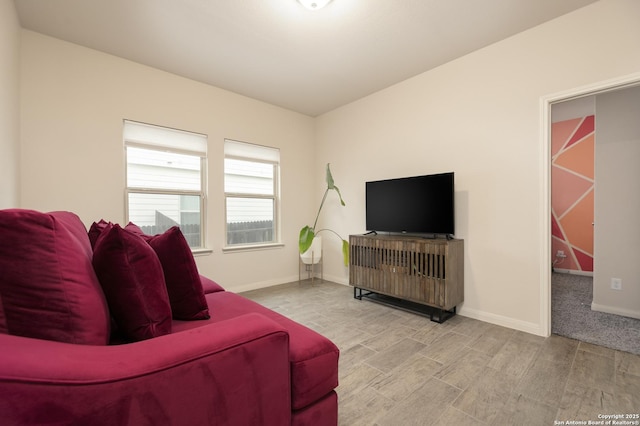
<point x="277" y="241"/>
<point x="201" y="194"/>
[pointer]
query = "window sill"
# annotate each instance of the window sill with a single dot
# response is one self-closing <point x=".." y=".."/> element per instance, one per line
<point x="251" y="247"/>
<point x="201" y="251"/>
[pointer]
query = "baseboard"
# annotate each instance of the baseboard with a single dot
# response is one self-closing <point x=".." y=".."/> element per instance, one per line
<point x="615" y="310"/>
<point x="337" y="280"/>
<point x="279" y="281"/>
<point x="262" y="284"/>
<point x="527" y="327"/>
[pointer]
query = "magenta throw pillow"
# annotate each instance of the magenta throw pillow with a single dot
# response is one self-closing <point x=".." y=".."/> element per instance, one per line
<point x="95" y="230"/>
<point x="186" y="294"/>
<point x="133" y="283"/>
<point x="48" y="288"/>
<point x="135" y="229"/>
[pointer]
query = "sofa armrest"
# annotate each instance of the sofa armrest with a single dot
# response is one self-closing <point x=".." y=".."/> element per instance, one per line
<point x="234" y="372"/>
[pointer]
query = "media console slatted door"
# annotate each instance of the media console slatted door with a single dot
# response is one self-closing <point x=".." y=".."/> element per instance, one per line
<point x="422" y="272"/>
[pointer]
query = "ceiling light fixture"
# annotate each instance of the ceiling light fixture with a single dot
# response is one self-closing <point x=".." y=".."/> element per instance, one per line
<point x="314" y="4"/>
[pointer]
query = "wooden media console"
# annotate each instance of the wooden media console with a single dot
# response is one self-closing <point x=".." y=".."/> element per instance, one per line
<point x="418" y="274"/>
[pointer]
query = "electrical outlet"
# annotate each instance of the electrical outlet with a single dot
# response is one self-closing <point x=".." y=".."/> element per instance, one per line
<point x="616" y="283"/>
<point x="560" y="253"/>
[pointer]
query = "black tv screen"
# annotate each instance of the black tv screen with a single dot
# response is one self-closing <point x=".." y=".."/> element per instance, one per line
<point x="418" y="204"/>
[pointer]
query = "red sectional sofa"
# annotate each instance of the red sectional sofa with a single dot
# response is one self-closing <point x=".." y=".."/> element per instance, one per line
<point x="67" y="356"/>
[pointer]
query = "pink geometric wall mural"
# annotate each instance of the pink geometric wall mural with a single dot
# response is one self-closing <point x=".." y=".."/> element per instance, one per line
<point x="572" y="193"/>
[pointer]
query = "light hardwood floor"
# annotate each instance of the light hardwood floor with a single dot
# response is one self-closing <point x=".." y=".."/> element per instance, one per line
<point x="398" y="368"/>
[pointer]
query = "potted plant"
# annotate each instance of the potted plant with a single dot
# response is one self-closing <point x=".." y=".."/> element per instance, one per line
<point x="308" y="233"/>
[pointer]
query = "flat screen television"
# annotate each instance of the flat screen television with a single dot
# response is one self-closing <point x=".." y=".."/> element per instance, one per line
<point x="417" y="205"/>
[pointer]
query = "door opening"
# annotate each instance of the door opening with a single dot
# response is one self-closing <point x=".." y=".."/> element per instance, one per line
<point x="547" y="104"/>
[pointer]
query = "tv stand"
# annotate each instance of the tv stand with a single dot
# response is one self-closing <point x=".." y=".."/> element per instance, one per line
<point x="425" y="276"/>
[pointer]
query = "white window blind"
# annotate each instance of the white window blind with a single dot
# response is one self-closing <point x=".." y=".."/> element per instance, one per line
<point x="164" y="137"/>
<point x="251" y="151"/>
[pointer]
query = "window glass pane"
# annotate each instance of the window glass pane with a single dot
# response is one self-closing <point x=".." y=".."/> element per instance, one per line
<point x="250" y="220"/>
<point x="147" y="168"/>
<point x="155" y="213"/>
<point x="248" y="177"/>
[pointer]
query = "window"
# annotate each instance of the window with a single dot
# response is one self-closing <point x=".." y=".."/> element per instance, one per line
<point x="166" y="170"/>
<point x="251" y="175"/>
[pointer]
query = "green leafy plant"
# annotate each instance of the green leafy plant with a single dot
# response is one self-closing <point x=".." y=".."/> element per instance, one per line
<point x="309" y="232"/>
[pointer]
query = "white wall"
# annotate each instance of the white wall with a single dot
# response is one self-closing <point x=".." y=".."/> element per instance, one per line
<point x="617" y="202"/>
<point x="73" y="102"/>
<point x="480" y="117"/>
<point x="9" y="104"/>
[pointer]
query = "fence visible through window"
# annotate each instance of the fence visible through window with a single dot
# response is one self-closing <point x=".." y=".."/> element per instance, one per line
<point x="249" y="232"/>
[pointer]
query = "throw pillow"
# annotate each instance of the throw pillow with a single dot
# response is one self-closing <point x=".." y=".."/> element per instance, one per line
<point x="135" y="229"/>
<point x="210" y="286"/>
<point x="133" y="282"/>
<point x="186" y="294"/>
<point x="48" y="287"/>
<point x="95" y="230"/>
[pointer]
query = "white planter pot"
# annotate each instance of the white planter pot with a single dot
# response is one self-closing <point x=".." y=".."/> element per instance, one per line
<point x="314" y="254"/>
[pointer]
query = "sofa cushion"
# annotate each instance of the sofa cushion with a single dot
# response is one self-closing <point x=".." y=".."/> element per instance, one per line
<point x="48" y="288"/>
<point x="133" y="282"/>
<point x="186" y="295"/>
<point x="313" y="357"/>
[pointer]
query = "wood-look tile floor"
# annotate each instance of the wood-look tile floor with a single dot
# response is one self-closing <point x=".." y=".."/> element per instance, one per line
<point x="399" y="368"/>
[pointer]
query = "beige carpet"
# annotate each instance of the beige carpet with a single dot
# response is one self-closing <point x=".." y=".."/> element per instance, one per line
<point x="571" y="316"/>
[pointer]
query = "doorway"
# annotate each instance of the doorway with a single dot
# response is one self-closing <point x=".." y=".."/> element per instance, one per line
<point x="547" y="104"/>
<point x="588" y="308"/>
